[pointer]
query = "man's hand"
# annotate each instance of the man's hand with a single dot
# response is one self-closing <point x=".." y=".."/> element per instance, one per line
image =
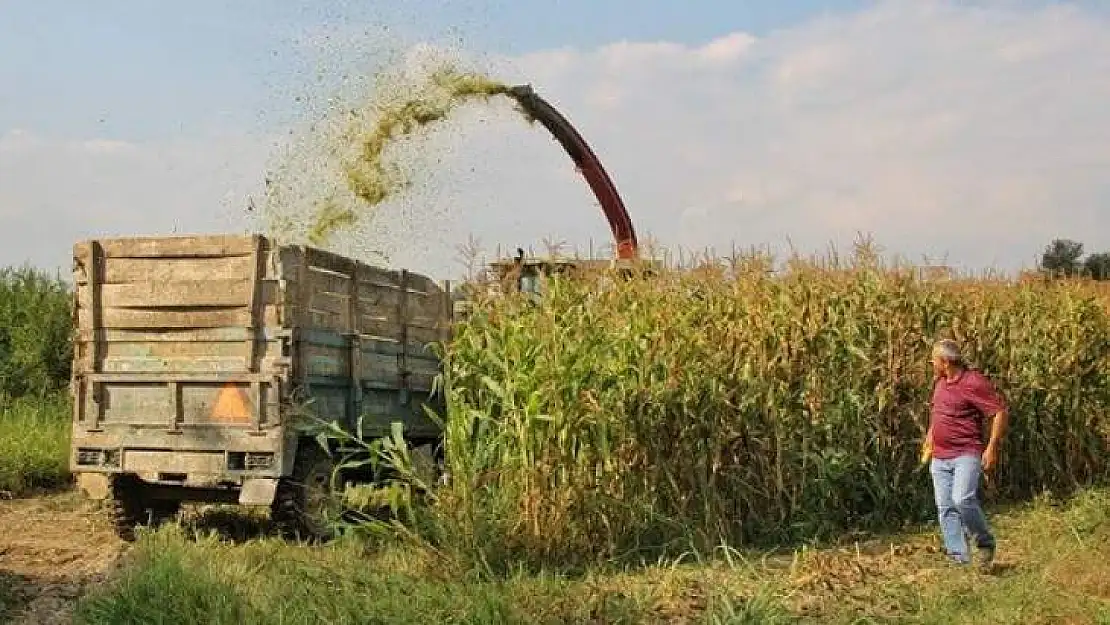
<point x="990" y="457"/>
<point x="998" y="429"/>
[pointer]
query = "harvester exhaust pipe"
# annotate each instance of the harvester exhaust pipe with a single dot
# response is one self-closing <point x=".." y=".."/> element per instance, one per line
<point x="536" y="108"/>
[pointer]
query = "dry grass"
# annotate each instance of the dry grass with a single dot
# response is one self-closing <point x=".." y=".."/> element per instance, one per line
<point x="34" y="444"/>
<point x="1052" y="562"/>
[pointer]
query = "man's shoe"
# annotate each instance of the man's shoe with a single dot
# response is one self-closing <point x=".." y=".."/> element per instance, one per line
<point x="957" y="559"/>
<point x="985" y="558"/>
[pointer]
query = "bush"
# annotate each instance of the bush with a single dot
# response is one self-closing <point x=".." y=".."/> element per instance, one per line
<point x="34" y="443"/>
<point x="35" y="333"/>
<point x="35" y="354"/>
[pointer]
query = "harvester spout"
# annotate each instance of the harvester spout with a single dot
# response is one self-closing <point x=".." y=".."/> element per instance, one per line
<point x="536" y="108"/>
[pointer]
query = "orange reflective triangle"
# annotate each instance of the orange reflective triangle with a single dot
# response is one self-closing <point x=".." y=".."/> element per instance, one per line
<point x="231" y="406"/>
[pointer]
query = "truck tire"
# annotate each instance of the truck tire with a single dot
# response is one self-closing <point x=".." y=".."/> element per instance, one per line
<point x="130" y="506"/>
<point x="305" y="506"/>
<point x="125" y="505"/>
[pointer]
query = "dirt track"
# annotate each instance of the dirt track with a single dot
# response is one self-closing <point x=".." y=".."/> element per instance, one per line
<point x="52" y="548"/>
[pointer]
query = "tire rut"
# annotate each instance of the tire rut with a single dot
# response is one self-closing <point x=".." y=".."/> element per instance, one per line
<point x="53" y="548"/>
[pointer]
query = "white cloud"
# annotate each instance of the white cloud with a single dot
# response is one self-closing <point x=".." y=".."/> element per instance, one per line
<point x="974" y="132"/>
<point x="55" y="192"/>
<point x="108" y="146"/>
<point x="726" y="49"/>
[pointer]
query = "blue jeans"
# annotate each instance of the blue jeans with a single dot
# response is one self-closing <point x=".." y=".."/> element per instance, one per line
<point x="955" y="487"/>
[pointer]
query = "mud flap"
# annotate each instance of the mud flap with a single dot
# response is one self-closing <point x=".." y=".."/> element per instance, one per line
<point x="258" y="491"/>
<point x="96" y="486"/>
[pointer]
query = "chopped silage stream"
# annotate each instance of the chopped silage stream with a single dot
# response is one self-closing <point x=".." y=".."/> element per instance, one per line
<point x="348" y="167"/>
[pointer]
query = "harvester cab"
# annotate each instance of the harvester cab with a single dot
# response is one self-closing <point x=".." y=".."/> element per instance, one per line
<point x="532" y="274"/>
<point x="529" y="274"/>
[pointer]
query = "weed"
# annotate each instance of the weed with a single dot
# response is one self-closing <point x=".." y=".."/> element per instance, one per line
<point x="196" y="578"/>
<point x="34" y="444"/>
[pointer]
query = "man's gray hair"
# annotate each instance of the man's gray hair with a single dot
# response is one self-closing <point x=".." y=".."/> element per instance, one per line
<point x="949" y="350"/>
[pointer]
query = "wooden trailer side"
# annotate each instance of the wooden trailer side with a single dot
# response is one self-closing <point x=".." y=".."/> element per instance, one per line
<point x="152" y="313"/>
<point x="192" y="351"/>
<point x="363" y="337"/>
<point x="180" y="362"/>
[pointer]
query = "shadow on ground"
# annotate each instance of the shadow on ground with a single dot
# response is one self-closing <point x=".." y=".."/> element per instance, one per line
<point x="229" y="523"/>
<point x="13" y="595"/>
<point x="240" y="525"/>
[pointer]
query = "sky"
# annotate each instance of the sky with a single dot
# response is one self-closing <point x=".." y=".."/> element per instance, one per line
<point x="967" y="133"/>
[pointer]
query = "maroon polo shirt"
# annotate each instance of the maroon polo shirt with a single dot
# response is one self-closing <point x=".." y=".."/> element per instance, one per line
<point x="959" y="408"/>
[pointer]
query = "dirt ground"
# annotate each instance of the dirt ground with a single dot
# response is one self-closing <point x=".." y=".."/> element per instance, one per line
<point x="52" y="548"/>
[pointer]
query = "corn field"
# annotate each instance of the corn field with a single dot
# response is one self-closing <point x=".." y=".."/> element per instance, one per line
<point x="731" y="404"/>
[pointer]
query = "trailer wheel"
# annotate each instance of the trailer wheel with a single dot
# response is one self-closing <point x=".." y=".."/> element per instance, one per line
<point x="163" y="510"/>
<point x="131" y="507"/>
<point x="125" y="505"/>
<point x="305" y="504"/>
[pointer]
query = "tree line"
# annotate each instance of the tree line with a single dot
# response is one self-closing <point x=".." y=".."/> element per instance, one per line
<point x="1064" y="258"/>
<point x="35" y="332"/>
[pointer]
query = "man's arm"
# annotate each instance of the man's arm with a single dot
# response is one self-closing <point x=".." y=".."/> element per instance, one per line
<point x="999" y="422"/>
<point x="927" y="445"/>
<point x="991" y="403"/>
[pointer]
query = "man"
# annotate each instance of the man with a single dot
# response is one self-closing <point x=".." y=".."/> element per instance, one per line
<point x="962" y="398"/>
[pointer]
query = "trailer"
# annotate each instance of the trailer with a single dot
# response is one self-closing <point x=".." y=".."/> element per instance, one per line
<point x="199" y="359"/>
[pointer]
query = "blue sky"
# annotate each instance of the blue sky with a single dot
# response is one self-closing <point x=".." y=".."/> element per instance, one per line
<point x="945" y="128"/>
<point x="138" y="70"/>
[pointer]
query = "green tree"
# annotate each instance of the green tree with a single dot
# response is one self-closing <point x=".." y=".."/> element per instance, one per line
<point x="1062" y="258"/>
<point x="1097" y="266"/>
<point x="35" y="332"/>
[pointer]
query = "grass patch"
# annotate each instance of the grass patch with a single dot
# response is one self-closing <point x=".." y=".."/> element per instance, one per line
<point x="1058" y="570"/>
<point x="1054" y="561"/>
<point x="268" y="581"/>
<point x="169" y="588"/>
<point x="8" y="597"/>
<point x="34" y="444"/>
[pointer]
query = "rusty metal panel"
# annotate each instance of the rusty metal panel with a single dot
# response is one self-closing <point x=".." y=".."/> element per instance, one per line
<point x="328" y="281"/>
<point x="176" y="403"/>
<point x="231" y="403"/>
<point x="258" y="491"/>
<point x="144" y="461"/>
<point x="329" y="303"/>
<point x="419" y="308"/>
<point x="322" y="360"/>
<point x="414" y="332"/>
<point x="169" y="335"/>
<point x="135" y="403"/>
<point x="194" y="439"/>
<point x="325" y="320"/>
